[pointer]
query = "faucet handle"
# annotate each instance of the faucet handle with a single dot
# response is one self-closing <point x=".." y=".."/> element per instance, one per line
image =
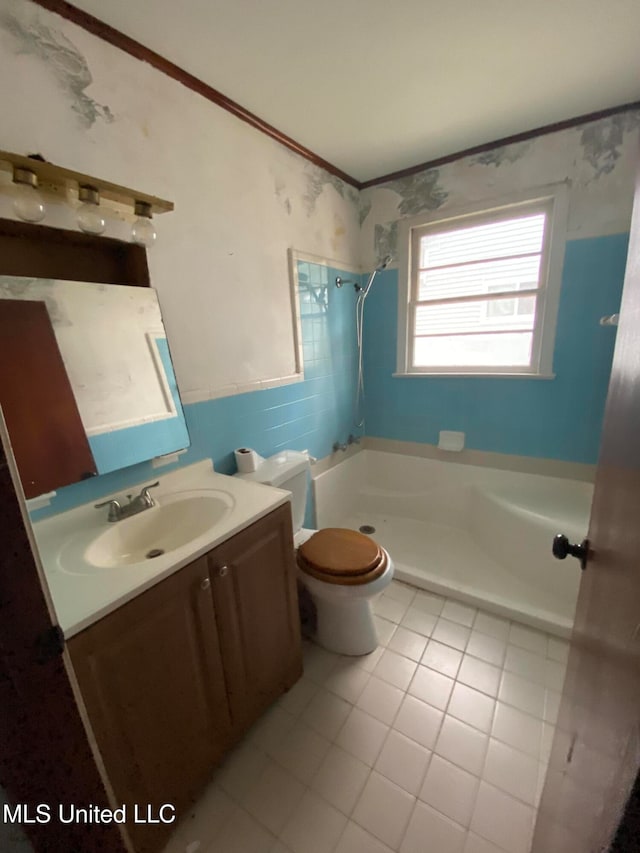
<point x="144" y="492"/>
<point x="115" y="509"/>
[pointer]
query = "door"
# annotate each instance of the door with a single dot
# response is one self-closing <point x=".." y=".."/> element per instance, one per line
<point x="151" y="678"/>
<point x="256" y="602"/>
<point x="596" y="750"/>
<point x="33" y="380"/>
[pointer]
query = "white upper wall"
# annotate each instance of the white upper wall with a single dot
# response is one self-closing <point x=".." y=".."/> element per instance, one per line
<point x="597" y="161"/>
<point x="241" y="199"/>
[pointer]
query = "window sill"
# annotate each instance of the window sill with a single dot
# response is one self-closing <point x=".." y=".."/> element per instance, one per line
<point x="452" y="375"/>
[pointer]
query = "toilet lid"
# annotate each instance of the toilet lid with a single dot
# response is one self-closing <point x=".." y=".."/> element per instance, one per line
<point x="336" y="551"/>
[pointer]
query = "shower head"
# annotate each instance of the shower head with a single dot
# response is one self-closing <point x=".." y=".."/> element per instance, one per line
<point x="384" y="263"/>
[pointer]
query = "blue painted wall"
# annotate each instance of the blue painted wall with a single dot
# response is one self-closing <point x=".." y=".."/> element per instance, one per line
<point x="553" y="419"/>
<point x="308" y="415"/>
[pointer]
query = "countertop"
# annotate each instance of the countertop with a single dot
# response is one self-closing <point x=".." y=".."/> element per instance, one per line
<point x="82" y="593"/>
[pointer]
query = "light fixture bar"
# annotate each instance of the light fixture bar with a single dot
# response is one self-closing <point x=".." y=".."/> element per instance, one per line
<point x="49" y="173"/>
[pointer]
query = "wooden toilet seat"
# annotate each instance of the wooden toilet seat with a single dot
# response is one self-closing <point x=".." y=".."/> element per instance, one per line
<point x="339" y="556"/>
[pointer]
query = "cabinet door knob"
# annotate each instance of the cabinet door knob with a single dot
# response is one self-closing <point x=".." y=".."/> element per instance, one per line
<point x="205" y="584"/>
<point x="223" y="571"/>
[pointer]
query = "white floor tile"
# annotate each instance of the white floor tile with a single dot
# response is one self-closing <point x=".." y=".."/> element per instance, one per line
<point x="480" y="675"/>
<point x="384" y="630"/>
<point x="460" y="613"/>
<point x="326" y="713"/>
<point x="428" y="602"/>
<point x="558" y="649"/>
<point x="528" y="638"/>
<point x="362" y="736"/>
<point x="241" y="768"/>
<point x="403" y="761"/>
<point x="298" y="697"/>
<point x="552" y="701"/>
<point x="204" y="821"/>
<point x="318" y="662"/>
<point x="401" y="592"/>
<point x="432" y="687"/>
<point x="476" y="844"/>
<point x="420" y="621"/>
<point x="396" y="669"/>
<point x="450" y="790"/>
<point x="462" y="745"/>
<point x="442" y="658"/>
<point x="525" y="695"/>
<point x="390" y="609"/>
<point x="444" y="836"/>
<point x="512" y="771"/>
<point x="383" y="809"/>
<point x="472" y="707"/>
<point x="408" y="643"/>
<point x="495" y="626"/>
<point x="314" y="827"/>
<point x="554" y="677"/>
<point x="347" y="680"/>
<point x="517" y="729"/>
<point x="340" y="779"/>
<point x="355" y="839"/>
<point x="502" y="819"/>
<point x="242" y="834"/>
<point x="273" y="797"/>
<point x="271" y="728"/>
<point x="419" y="721"/>
<point x="370" y="661"/>
<point x="526" y="664"/>
<point x="451" y="634"/>
<point x="301" y="751"/>
<point x="380" y="699"/>
<point x="487" y="648"/>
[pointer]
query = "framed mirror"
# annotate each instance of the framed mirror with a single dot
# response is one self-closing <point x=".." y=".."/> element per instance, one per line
<point x="115" y="358"/>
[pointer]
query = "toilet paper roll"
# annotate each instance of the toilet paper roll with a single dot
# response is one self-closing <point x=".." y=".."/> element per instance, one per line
<point x="247" y="460"/>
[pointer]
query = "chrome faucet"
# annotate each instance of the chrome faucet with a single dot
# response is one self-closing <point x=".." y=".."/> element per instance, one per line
<point x="337" y="446"/>
<point x="138" y="504"/>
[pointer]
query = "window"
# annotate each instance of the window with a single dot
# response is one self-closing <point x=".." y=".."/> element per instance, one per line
<point x="483" y="290"/>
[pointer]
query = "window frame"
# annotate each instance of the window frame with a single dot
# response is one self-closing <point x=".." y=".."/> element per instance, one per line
<point x="553" y="200"/>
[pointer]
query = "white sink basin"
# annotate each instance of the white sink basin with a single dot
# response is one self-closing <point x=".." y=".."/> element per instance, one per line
<point x="177" y="520"/>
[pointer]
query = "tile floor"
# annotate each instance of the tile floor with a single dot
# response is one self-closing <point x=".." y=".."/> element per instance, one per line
<point x="437" y="742"/>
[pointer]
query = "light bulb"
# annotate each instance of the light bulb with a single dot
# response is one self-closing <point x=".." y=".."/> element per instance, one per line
<point x="27" y="202"/>
<point x="142" y="231"/>
<point x="89" y="216"/>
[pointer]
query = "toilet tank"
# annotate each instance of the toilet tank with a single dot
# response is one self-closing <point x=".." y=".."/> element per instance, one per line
<point x="286" y="470"/>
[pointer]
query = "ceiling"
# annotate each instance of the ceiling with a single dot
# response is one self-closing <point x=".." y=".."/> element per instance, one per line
<point x="374" y="86"/>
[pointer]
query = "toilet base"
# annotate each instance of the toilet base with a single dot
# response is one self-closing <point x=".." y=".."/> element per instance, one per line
<point x="346" y="627"/>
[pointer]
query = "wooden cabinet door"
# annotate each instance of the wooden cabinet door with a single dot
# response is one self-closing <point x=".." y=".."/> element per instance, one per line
<point x="151" y="677"/>
<point x="256" y="602"/>
<point x="47" y="434"/>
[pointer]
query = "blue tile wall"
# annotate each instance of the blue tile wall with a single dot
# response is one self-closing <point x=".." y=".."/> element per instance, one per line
<point x="554" y="419"/>
<point x="309" y="415"/>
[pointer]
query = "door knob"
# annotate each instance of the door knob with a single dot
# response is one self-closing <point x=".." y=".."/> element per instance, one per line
<point x="562" y="548"/>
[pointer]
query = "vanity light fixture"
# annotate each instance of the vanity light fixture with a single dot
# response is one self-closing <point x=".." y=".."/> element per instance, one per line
<point x="27" y="203"/>
<point x="90" y="218"/>
<point x="142" y="231"/>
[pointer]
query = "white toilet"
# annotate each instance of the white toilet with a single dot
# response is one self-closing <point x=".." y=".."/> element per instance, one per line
<point x="343" y="570"/>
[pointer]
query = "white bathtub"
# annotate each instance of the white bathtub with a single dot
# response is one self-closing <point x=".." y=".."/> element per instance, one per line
<point x="480" y="534"/>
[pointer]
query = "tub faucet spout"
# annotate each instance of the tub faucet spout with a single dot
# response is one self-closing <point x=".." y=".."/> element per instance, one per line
<point x="337" y="446"/>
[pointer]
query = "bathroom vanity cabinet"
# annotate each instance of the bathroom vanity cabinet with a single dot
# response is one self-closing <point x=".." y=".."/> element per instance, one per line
<point x="174" y="677"/>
